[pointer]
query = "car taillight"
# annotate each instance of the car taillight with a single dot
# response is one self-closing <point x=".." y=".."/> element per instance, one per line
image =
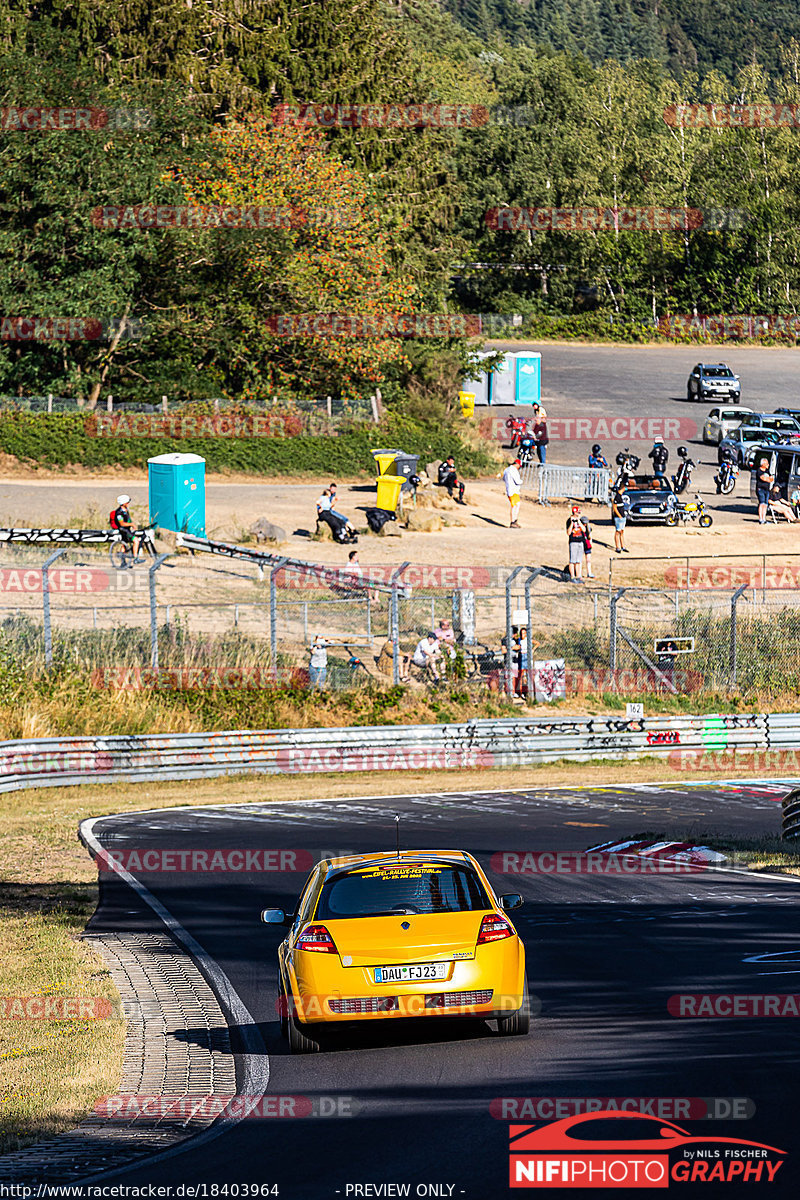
<point x="316" y="937"/>
<point x="493" y="929"/>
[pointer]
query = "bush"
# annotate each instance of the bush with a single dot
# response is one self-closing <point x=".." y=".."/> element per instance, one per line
<point x="58" y="439"/>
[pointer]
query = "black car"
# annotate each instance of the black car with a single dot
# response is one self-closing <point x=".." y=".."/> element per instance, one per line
<point x="713" y="381"/>
<point x="645" y="505"/>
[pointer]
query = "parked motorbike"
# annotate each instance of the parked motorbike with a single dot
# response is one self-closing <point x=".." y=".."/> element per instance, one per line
<point x="726" y="476"/>
<point x="526" y="448"/>
<point x="627" y="464"/>
<point x="691" y="510"/>
<point x="518" y="427"/>
<point x="683" y="476"/>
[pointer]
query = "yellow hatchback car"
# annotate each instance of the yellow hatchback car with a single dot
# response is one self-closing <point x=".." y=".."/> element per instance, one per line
<point x="411" y="934"/>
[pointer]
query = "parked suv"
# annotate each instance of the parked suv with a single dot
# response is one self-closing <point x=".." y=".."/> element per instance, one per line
<point x="720" y="422"/>
<point x="713" y="381"/>
<point x="788" y="427"/>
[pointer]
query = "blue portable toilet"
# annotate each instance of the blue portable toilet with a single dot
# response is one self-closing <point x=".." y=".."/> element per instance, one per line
<point x="178" y="492"/>
<point x="529" y="377"/>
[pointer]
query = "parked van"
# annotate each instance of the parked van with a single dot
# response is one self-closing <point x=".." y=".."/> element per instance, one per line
<point x="784" y="464"/>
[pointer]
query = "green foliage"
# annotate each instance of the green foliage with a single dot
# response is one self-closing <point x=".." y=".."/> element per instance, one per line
<point x="58" y="439"/>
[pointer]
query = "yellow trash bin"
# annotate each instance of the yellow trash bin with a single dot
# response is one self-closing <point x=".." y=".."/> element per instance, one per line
<point x="467" y="401"/>
<point x="389" y="491"/>
<point x="384" y="459"/>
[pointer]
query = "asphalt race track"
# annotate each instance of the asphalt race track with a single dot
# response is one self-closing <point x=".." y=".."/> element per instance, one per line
<point x="604" y="955"/>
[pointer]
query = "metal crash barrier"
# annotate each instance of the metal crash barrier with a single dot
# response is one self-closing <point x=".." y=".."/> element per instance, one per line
<point x="556" y="482"/>
<point x="752" y="741"/>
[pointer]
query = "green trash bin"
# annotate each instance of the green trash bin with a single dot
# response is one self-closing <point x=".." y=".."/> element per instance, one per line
<point x="384" y="459"/>
<point x="389" y="491"/>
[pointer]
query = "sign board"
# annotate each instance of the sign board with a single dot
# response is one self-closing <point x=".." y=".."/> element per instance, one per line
<point x="549" y="680"/>
<point x="674" y="645"/>
<point x="634" y="712"/>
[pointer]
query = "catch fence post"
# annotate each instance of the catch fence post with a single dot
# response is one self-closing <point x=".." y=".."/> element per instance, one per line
<point x="154" y="612"/>
<point x="734" y="602"/>
<point x="273" y="614"/>
<point x="612" y="653"/>
<point x="48" y="630"/>
<point x="509" y="647"/>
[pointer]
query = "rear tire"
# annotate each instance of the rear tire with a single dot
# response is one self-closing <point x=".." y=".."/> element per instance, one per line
<point x="518" y="1023"/>
<point x="299" y="1041"/>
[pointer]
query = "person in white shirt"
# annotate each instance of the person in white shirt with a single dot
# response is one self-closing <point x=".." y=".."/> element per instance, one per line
<point x="513" y="483"/>
<point x="426" y="653"/>
<point x="324" y="504"/>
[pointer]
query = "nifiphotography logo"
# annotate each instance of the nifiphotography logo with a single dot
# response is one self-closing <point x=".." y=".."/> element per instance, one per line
<point x="615" y="1149"/>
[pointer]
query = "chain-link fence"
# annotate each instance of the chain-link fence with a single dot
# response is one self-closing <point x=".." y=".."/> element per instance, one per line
<point x="522" y="631"/>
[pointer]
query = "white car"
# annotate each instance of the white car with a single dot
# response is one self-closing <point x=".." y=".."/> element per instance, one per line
<point x="720" y="422"/>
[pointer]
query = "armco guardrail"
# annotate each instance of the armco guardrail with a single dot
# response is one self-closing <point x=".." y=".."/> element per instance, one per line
<point x="688" y="740"/>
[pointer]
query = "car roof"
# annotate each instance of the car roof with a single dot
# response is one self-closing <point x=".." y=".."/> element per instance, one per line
<point x="705" y="366"/>
<point x="407" y="856"/>
<point x="760" y="412"/>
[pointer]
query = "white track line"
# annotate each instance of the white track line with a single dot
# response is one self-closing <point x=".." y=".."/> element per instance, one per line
<point x="255" y="1059"/>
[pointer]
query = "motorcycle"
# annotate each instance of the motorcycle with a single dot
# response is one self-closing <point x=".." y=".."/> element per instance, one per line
<point x="518" y="427"/>
<point x="683" y="476"/>
<point x="691" y="510"/>
<point x="726" y="476"/>
<point x="526" y="448"/>
<point x="627" y="464"/>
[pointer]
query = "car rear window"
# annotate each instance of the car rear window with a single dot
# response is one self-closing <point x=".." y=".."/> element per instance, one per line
<point x="402" y="888"/>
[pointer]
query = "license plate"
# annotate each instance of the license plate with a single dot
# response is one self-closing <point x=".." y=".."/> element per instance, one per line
<point x="410" y="974"/>
<point x="649" y="512"/>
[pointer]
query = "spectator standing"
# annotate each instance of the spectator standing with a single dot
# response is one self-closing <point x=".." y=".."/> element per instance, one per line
<point x="764" y="482"/>
<point x="576" y="535"/>
<point x="620" y="518"/>
<point x="660" y="456"/>
<point x="318" y="665"/>
<point x="587" y="547"/>
<point x="596" y="459"/>
<point x="539" y="412"/>
<point x="513" y="484"/>
<point x="542" y="439"/>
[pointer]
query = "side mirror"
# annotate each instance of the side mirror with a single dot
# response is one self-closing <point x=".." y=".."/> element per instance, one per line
<point x="274" y="916"/>
<point x="511" y="901"/>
